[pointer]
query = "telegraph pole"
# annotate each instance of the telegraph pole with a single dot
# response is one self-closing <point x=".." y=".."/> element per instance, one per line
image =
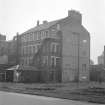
<point x="17" y="49"/>
<point x="104" y="56"/>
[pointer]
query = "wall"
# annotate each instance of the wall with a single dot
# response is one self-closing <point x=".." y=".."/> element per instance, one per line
<point x="27" y="76"/>
<point x="4" y="59"/>
<point x="71" y="49"/>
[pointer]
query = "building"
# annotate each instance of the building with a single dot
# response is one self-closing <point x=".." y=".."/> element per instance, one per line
<point x="3" y="50"/>
<point x="61" y="48"/>
<point x="3" y="56"/>
<point x="2" y="37"/>
<point x="12" y="51"/>
<point x="48" y="60"/>
<point x="97" y="73"/>
<point x="101" y="59"/>
<point x="91" y="62"/>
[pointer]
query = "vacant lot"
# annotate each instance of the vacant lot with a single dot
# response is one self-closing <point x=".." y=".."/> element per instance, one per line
<point x="91" y="92"/>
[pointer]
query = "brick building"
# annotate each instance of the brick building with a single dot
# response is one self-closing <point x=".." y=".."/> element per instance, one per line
<point x="61" y="48"/>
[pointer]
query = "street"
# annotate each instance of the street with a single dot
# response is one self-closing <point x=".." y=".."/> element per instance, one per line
<point x="7" y="98"/>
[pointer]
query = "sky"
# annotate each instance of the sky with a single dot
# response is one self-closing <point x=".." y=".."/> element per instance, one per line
<point x="21" y="15"/>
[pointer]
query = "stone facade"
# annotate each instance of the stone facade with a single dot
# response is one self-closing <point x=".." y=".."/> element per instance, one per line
<point x="48" y="60"/>
<point x="76" y="49"/>
<point x="72" y="38"/>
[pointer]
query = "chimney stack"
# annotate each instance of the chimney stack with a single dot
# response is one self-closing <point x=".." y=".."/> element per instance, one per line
<point x="37" y="22"/>
<point x="45" y="21"/>
<point x="76" y="15"/>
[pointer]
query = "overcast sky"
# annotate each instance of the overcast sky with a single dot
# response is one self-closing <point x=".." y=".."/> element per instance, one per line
<point x="20" y="15"/>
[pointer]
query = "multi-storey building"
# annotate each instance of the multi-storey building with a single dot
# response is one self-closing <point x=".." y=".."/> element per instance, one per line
<point x="13" y="50"/>
<point x="3" y="50"/>
<point x="101" y="59"/>
<point x="61" y="48"/>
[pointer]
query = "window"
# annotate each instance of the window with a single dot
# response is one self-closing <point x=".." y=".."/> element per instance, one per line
<point x="25" y="38"/>
<point x="28" y="37"/>
<point x="27" y="61"/>
<point x="46" y="34"/>
<point x="58" y="48"/>
<point x="44" y="49"/>
<point x="58" y="26"/>
<point x="25" y="49"/>
<point x="22" y="51"/>
<point x="35" y="36"/>
<point x="38" y="46"/>
<point x="54" y="47"/>
<point x="83" y="67"/>
<point x="31" y="49"/>
<point x="57" y="61"/>
<point x="45" y="60"/>
<point x="39" y="35"/>
<point x="84" y="41"/>
<point x="42" y="35"/>
<point x="52" y="61"/>
<point x="34" y="50"/>
<point x="31" y="36"/>
<point x="30" y="60"/>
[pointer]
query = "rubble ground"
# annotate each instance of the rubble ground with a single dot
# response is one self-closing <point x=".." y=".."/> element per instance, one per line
<point x="90" y="91"/>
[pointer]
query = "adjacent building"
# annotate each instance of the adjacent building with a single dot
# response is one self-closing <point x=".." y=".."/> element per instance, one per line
<point x="60" y="49"/>
<point x="13" y="51"/>
<point x="3" y="50"/>
<point x="101" y="59"/>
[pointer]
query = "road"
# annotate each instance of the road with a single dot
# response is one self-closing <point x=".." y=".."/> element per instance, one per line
<point x="7" y="98"/>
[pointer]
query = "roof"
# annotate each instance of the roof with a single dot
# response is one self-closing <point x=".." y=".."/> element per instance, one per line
<point x="43" y="26"/>
<point x="47" y="25"/>
<point x="20" y="67"/>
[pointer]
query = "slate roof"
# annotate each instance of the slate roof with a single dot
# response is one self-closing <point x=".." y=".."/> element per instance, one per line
<point x="47" y="25"/>
<point x="43" y="26"/>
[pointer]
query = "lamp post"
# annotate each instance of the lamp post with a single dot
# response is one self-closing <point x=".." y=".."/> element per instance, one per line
<point x="78" y="46"/>
<point x="77" y="36"/>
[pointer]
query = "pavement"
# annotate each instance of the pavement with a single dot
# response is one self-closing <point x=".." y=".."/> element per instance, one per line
<point x="7" y="98"/>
